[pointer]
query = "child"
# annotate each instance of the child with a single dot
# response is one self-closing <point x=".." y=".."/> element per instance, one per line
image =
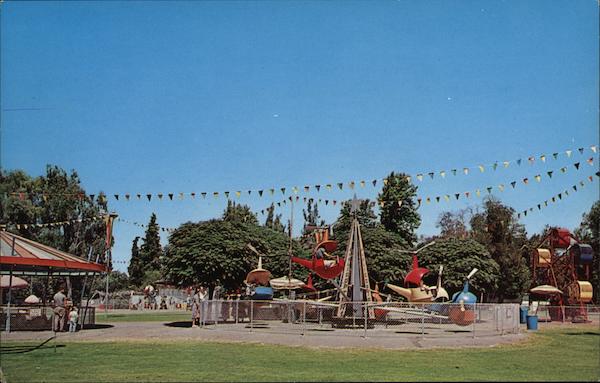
<point x="73" y="319"/>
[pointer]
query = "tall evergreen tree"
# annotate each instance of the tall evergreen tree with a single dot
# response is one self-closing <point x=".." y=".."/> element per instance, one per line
<point x="151" y="250"/>
<point x="398" y="207"/>
<point x="270" y="216"/>
<point x="136" y="272"/>
<point x="278" y="225"/>
<point x="311" y="215"/>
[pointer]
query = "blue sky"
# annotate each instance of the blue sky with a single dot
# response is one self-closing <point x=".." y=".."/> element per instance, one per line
<point x="161" y="97"/>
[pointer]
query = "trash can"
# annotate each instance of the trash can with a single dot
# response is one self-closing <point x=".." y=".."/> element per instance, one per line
<point x="532" y="322"/>
<point x="523" y="317"/>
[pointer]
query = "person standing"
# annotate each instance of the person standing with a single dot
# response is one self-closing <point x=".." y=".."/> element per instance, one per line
<point x="196" y="308"/>
<point x="73" y="315"/>
<point x="58" y="325"/>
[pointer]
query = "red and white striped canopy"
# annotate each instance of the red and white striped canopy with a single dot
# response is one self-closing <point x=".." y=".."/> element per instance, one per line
<point x="23" y="255"/>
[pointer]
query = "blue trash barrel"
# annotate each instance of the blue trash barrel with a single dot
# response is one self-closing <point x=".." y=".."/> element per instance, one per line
<point x="532" y="322"/>
<point x="523" y="314"/>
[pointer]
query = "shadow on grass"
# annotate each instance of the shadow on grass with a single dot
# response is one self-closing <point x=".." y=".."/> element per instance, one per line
<point x="583" y="333"/>
<point x="181" y="324"/>
<point x="97" y="326"/>
<point x="28" y="348"/>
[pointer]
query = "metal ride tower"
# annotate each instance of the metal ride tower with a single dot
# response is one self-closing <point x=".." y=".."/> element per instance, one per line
<point x="355" y="285"/>
<point x="561" y="261"/>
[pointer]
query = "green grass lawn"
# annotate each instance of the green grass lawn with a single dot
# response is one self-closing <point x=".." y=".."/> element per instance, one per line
<point x="152" y="316"/>
<point x="564" y="354"/>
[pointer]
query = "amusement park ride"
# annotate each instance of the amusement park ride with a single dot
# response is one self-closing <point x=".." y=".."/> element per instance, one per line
<point x="355" y="286"/>
<point x="257" y="280"/>
<point x="414" y="289"/>
<point x="561" y="270"/>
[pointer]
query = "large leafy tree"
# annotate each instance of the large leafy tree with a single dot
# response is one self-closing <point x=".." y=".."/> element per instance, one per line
<point x="459" y="257"/>
<point x="452" y="225"/>
<point x="54" y="197"/>
<point x="27" y="203"/>
<point x="399" y="207"/>
<point x="589" y="232"/>
<point x="117" y="281"/>
<point x="215" y="252"/>
<point x="499" y="231"/>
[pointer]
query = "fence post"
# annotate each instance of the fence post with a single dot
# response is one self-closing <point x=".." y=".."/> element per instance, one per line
<point x="303" y="318"/>
<point x="503" y="314"/>
<point x="251" y="314"/>
<point x="237" y="310"/>
<point x="366" y="315"/>
<point x="422" y="321"/>
<point x="496" y="316"/>
<point x="474" y="320"/>
<point x="320" y="314"/>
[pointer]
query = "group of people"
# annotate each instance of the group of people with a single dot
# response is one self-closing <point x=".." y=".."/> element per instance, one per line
<point x="62" y="305"/>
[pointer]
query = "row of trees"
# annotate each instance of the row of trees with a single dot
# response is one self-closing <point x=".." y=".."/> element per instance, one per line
<point x="55" y="196"/>
<point x="215" y="251"/>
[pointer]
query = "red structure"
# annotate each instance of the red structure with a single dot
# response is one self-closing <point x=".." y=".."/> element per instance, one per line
<point x="560" y="260"/>
<point x="22" y="256"/>
<point x="26" y="257"/>
<point x="326" y="269"/>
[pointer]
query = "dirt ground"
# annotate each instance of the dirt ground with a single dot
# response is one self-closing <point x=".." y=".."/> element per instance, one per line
<point x="271" y="334"/>
<point x="405" y="336"/>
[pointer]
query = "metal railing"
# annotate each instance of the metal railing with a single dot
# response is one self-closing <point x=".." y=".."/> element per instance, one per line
<point x="38" y="317"/>
<point x="566" y="315"/>
<point x="361" y="318"/>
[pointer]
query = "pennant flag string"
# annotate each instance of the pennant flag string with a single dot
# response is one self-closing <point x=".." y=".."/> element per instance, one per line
<point x="52" y="224"/>
<point x="555" y="198"/>
<point x="307" y="188"/>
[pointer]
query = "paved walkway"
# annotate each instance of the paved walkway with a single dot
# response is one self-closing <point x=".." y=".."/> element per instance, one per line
<point x="321" y="338"/>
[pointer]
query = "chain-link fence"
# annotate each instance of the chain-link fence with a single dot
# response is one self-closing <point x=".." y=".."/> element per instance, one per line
<point x="362" y="318"/>
<point x="38" y="317"/>
<point x="565" y="315"/>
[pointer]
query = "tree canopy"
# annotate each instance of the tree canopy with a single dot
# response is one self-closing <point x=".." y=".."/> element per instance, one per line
<point x="452" y="225"/>
<point x="459" y="257"/>
<point x="499" y="231"/>
<point x="215" y="252"/>
<point x="57" y="196"/>
<point x="239" y="213"/>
